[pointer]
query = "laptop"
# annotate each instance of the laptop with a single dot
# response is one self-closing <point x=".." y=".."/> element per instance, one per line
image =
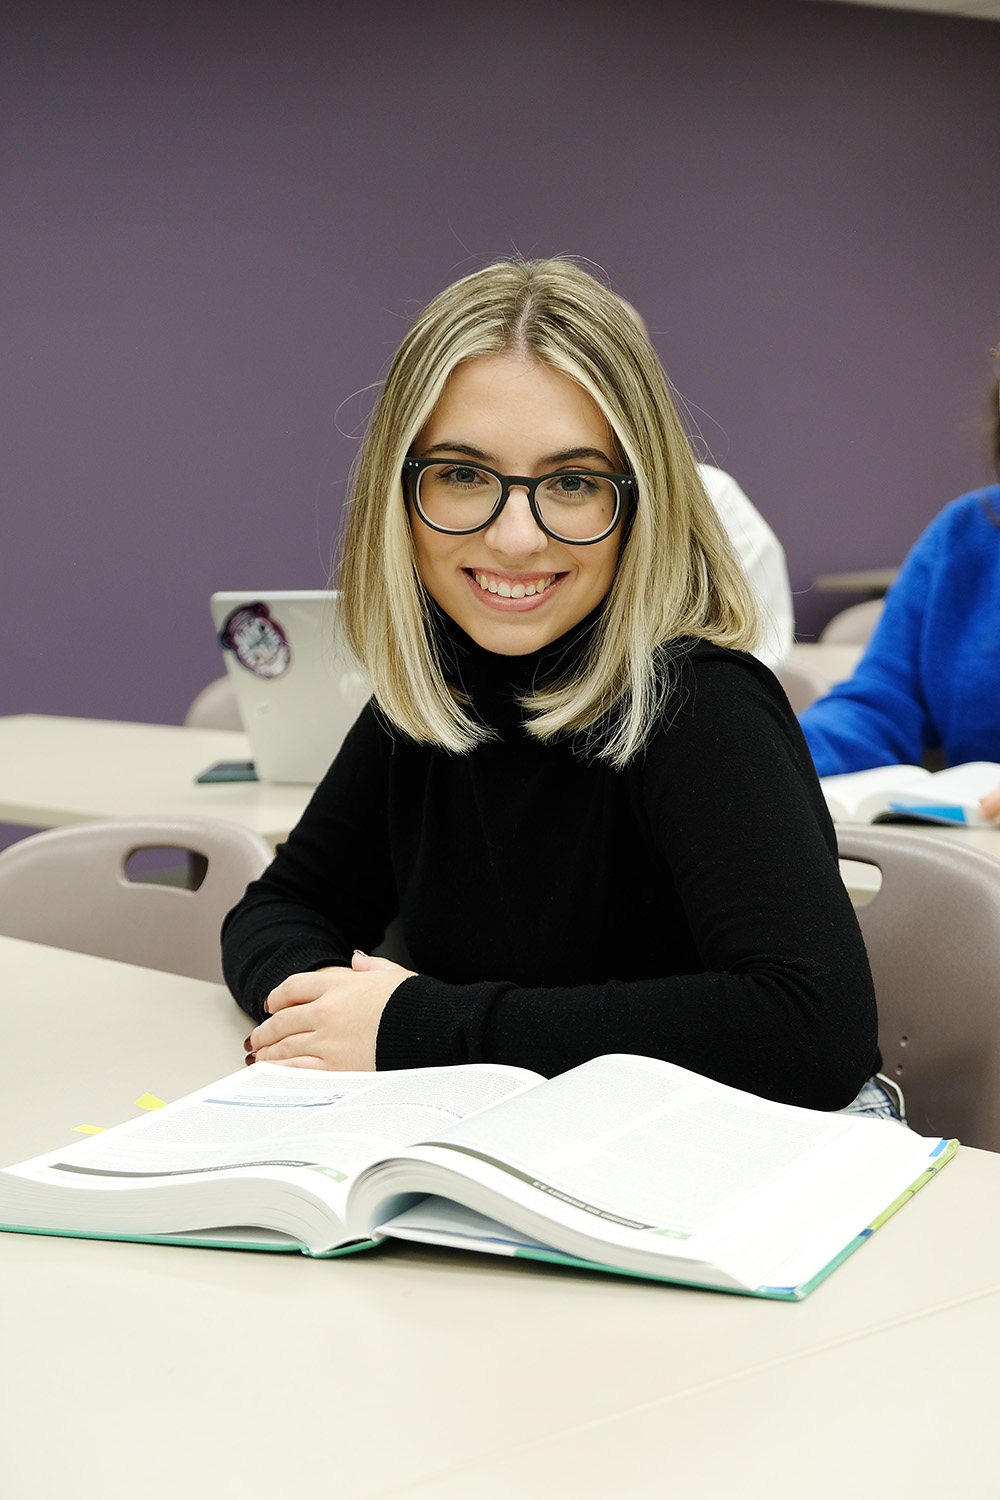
<point x="298" y="687"/>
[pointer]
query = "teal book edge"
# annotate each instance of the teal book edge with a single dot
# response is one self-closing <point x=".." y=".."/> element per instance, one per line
<point x="198" y="1242"/>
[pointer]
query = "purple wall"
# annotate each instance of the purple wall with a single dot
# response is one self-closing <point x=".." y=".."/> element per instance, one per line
<point x="219" y="216"/>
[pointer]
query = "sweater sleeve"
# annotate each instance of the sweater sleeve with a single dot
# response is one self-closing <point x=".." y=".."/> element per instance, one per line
<point x="783" y="1004"/>
<point x="879" y="716"/>
<point x="329" y="889"/>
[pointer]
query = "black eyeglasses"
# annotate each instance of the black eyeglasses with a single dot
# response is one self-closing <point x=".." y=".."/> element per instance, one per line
<point x="575" y="505"/>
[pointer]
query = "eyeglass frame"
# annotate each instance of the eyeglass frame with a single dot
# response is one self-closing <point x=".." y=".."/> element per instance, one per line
<point x="625" y="487"/>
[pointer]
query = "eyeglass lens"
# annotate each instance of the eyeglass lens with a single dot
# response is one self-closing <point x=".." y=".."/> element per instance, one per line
<point x="461" y="497"/>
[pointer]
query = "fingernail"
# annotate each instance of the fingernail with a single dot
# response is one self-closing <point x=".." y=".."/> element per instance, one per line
<point x="360" y="953"/>
<point x="250" y="1058"/>
<point x="248" y="1045"/>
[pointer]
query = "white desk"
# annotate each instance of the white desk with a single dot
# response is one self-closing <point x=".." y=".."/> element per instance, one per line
<point x="133" y="1371"/>
<point x="55" y="771"/>
<point x="875" y="582"/>
<point x="835" y="663"/>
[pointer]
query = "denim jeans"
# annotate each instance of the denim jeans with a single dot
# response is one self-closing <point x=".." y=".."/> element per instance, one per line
<point x="879" y="1099"/>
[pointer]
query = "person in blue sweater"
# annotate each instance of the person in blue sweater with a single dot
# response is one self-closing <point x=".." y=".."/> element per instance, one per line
<point x="930" y="676"/>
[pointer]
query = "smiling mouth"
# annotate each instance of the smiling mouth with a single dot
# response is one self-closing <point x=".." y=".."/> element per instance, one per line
<point x="491" y="584"/>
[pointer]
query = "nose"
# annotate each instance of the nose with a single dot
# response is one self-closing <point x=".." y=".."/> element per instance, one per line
<point x="515" y="533"/>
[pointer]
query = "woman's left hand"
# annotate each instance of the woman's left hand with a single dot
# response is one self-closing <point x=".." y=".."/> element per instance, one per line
<point x="328" y="1018"/>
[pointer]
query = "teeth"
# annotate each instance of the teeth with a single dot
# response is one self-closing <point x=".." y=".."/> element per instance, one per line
<point x="492" y="585"/>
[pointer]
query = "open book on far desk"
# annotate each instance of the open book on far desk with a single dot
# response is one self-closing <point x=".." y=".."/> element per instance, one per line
<point x="624" y="1164"/>
<point x="902" y="793"/>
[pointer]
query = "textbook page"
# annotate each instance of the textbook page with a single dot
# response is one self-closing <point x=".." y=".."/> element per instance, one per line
<point x="630" y="1160"/>
<point x="260" y="1124"/>
<point x="646" y="1141"/>
<point x="854" y="796"/>
<point x="952" y="795"/>
<point x="848" y="1213"/>
<point x="860" y="796"/>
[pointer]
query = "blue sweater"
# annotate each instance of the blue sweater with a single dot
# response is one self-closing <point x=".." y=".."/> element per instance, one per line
<point x="931" y="674"/>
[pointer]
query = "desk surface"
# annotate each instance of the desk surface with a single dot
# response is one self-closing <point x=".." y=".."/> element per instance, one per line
<point x="834" y="662"/>
<point x="873" y="581"/>
<point x="55" y="770"/>
<point x="426" y="1374"/>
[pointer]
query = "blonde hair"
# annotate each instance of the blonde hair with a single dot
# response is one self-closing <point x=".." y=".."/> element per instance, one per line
<point x="676" y="576"/>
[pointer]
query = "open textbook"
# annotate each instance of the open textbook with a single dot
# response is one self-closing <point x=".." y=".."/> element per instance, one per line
<point x="950" y="796"/>
<point x="624" y="1164"/>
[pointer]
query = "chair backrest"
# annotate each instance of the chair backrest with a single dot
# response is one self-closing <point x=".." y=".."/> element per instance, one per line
<point x="854" y="625"/>
<point x="69" y="888"/>
<point x="802" y="683"/>
<point x="215" y="707"/>
<point x="933" y="937"/>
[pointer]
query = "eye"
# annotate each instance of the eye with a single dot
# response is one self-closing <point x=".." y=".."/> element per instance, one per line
<point x="572" y="486"/>
<point x="462" y="475"/>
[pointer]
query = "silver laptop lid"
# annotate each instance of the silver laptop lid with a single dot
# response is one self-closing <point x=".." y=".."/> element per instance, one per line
<point x="298" y="687"/>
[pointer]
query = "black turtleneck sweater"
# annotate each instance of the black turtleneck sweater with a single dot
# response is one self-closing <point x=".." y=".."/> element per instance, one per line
<point x="688" y="907"/>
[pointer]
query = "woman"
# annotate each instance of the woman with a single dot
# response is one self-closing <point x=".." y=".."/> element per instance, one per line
<point x="593" y="811"/>
<point x="927" y="679"/>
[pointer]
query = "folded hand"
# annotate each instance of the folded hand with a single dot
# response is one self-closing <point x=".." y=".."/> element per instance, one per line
<point x="328" y="1018"/>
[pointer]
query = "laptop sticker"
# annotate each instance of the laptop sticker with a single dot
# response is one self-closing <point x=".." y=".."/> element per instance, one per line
<point x="256" y="640"/>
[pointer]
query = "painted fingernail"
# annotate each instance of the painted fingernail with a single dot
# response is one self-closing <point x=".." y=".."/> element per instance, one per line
<point x="248" y="1045"/>
<point x="250" y="1058"/>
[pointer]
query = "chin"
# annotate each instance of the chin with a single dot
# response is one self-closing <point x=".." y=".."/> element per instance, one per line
<point x="510" y="640"/>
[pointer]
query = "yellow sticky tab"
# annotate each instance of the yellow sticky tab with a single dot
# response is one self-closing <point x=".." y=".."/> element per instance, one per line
<point x="89" y="1129"/>
<point x="150" y="1101"/>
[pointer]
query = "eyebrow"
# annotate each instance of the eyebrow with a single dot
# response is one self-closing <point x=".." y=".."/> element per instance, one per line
<point x="566" y="455"/>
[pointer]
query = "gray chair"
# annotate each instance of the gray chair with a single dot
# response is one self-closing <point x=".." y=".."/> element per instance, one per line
<point x="854" y="625"/>
<point x="803" y="684"/>
<point x="214" y="707"/>
<point x="933" y="937"/>
<point x="71" y="888"/>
